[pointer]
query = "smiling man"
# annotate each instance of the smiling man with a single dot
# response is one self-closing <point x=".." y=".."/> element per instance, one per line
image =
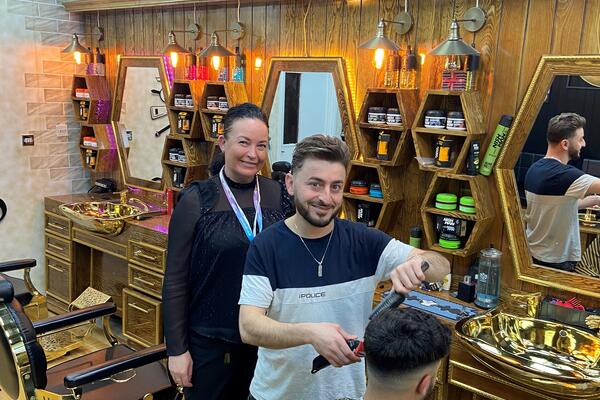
<point x="309" y="281"/>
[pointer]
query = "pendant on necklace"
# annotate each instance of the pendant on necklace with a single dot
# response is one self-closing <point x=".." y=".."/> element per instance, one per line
<point x="320" y="270"/>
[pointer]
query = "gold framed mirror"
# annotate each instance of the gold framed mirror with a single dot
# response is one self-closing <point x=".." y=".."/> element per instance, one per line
<point x="304" y="96"/>
<point x="140" y="121"/>
<point x="550" y="70"/>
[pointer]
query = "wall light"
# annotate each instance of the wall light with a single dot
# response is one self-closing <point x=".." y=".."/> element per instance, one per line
<point x="77" y="49"/>
<point x="173" y="48"/>
<point x="474" y="19"/>
<point x="380" y="43"/>
<point x="258" y="63"/>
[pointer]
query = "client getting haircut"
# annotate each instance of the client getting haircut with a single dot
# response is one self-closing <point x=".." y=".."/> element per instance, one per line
<point x="563" y="126"/>
<point x="402" y="346"/>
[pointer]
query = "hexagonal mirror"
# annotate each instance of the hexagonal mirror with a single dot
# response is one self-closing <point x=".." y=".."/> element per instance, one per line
<point x="140" y="118"/>
<point x="548" y="174"/>
<point x="306" y="96"/>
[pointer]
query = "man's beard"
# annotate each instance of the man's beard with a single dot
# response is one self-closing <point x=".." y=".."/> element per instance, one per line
<point x="573" y="154"/>
<point x="302" y="210"/>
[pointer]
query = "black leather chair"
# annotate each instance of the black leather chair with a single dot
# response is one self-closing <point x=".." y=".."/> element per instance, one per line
<point x="117" y="372"/>
<point x="33" y="302"/>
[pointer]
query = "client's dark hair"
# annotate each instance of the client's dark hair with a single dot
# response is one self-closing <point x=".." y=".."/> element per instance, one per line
<point x="320" y="147"/>
<point x="241" y="111"/>
<point x="399" y="341"/>
<point x="563" y="126"/>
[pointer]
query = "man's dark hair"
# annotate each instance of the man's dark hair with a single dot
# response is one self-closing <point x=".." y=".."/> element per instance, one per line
<point x="401" y="340"/>
<point x="320" y="147"/>
<point x="563" y="126"/>
<point x="241" y="111"/>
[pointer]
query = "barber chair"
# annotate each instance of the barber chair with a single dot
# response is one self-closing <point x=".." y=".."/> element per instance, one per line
<point x="117" y="372"/>
<point x="33" y="302"/>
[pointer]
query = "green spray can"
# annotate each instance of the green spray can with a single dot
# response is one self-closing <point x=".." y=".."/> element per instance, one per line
<point x="495" y="145"/>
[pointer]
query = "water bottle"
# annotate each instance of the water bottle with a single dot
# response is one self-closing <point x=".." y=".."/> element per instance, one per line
<point x="488" y="282"/>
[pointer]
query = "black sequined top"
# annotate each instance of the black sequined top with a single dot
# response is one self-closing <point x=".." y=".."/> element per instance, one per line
<point x="206" y="255"/>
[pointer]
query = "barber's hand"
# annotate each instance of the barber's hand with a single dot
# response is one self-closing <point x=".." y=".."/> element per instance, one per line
<point x="408" y="275"/>
<point x="329" y="340"/>
<point x="181" y="369"/>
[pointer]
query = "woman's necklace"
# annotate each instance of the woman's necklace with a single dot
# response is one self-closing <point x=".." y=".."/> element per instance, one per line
<point x="319" y="263"/>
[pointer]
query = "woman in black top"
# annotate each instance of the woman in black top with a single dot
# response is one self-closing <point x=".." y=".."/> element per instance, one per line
<point x="208" y="241"/>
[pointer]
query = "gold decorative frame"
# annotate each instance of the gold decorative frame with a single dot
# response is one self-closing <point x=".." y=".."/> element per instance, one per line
<point x="124" y="63"/>
<point x="337" y="67"/>
<point x="548" y="68"/>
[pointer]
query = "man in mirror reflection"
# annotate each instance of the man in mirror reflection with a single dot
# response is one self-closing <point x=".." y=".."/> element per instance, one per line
<point x="403" y="352"/>
<point x="555" y="191"/>
<point x="309" y="282"/>
<point x="211" y="228"/>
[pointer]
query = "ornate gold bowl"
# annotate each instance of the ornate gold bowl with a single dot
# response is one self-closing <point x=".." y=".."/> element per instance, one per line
<point x="100" y="216"/>
<point x="551" y="357"/>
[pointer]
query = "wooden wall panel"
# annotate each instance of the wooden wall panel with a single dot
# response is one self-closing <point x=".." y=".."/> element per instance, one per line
<point x="516" y="34"/>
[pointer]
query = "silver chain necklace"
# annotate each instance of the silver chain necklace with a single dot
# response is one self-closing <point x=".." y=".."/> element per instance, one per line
<point x="319" y="263"/>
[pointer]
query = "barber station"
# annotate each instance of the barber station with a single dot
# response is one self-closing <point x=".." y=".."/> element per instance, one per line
<point x="300" y="200"/>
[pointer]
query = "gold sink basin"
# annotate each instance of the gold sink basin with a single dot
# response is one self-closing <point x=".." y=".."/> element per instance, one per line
<point x="551" y="357"/>
<point x="101" y="216"/>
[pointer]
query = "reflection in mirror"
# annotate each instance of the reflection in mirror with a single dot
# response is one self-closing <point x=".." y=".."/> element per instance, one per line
<point x="144" y="119"/>
<point x="305" y="104"/>
<point x="557" y="180"/>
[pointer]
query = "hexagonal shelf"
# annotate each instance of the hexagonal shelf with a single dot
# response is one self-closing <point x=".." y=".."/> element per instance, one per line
<point x="381" y="209"/>
<point x="234" y="92"/>
<point x="425" y="139"/>
<point x="186" y="88"/>
<point x="100" y="153"/>
<point x="188" y="164"/>
<point x="405" y="100"/>
<point x="476" y="224"/>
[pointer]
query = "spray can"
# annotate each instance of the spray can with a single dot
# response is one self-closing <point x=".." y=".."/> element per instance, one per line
<point x="495" y="145"/>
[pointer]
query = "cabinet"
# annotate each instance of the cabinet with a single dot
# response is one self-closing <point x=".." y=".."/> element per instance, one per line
<point x="129" y="267"/>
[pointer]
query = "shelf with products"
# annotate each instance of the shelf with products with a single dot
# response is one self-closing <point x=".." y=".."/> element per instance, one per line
<point x="384" y="122"/>
<point x="90" y="96"/>
<point x="460" y="226"/>
<point x="215" y="100"/>
<point x="183" y="106"/>
<point x="97" y="148"/>
<point x="439" y="111"/>
<point x="185" y="160"/>
<point x="358" y="202"/>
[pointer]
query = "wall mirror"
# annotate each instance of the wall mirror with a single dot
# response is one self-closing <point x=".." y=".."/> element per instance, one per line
<point x="305" y="96"/>
<point x="560" y="84"/>
<point x="140" y="118"/>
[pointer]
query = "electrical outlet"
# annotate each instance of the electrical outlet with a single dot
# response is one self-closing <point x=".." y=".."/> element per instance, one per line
<point x="27" y="140"/>
<point x="61" y="130"/>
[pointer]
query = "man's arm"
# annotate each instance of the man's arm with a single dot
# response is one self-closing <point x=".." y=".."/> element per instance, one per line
<point x="588" y="201"/>
<point x="329" y="340"/>
<point x="408" y="275"/>
<point x="594" y="187"/>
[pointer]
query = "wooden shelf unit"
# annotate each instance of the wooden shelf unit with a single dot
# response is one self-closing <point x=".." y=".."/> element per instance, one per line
<point x="98" y="103"/>
<point x="477" y="224"/>
<point x="193" y="88"/>
<point x="235" y="92"/>
<point x="469" y="103"/>
<point x="197" y="154"/>
<point x="405" y="100"/>
<point x="105" y="153"/>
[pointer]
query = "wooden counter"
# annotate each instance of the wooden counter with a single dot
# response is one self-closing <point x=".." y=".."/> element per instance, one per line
<point x="129" y="267"/>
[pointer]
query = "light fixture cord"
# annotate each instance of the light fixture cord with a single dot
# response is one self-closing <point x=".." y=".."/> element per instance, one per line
<point x="406" y="6"/>
<point x="304" y="28"/>
<point x="238" y="11"/>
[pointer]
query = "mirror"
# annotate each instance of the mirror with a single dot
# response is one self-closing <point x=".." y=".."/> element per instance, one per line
<point x="140" y="118"/>
<point x="305" y="103"/>
<point x="560" y="84"/>
<point x="305" y="96"/>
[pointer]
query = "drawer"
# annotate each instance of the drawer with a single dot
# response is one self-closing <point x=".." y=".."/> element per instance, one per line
<point x="100" y="243"/>
<point x="145" y="281"/>
<point x="57" y="246"/>
<point x="55" y="305"/>
<point x="142" y="320"/>
<point x="57" y="225"/>
<point x="147" y="255"/>
<point x="58" y="278"/>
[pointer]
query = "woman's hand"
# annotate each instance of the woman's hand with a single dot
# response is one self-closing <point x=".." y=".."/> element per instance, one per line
<point x="181" y="369"/>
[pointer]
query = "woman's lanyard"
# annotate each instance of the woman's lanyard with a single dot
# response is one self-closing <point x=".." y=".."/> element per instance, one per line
<point x="250" y="233"/>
